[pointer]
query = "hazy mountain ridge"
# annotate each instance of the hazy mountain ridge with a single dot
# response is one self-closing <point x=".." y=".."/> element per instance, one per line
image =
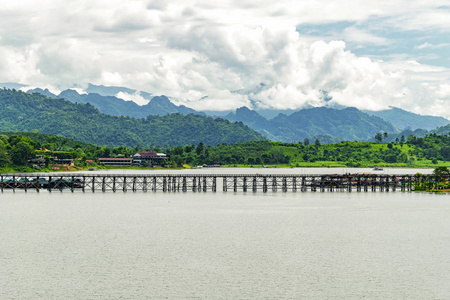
<point x="345" y="124"/>
<point x="403" y="119"/>
<point x="112" y="105"/>
<point x="329" y="124"/>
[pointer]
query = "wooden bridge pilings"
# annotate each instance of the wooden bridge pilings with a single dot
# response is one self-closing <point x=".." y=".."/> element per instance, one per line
<point x="229" y="182"/>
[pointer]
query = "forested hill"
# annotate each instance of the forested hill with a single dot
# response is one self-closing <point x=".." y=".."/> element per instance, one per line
<point x="444" y="130"/>
<point x="28" y="112"/>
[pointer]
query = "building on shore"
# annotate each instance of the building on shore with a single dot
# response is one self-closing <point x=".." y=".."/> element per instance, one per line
<point x="119" y="161"/>
<point x="149" y="158"/>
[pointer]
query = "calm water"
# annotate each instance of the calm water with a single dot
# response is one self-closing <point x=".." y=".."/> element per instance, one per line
<point x="224" y="245"/>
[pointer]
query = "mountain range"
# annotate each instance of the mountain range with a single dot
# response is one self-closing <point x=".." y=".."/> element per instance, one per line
<point x="82" y="121"/>
<point x="327" y="124"/>
<point x="111" y="105"/>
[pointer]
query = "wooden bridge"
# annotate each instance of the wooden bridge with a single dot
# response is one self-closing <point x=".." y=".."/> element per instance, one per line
<point x="225" y="182"/>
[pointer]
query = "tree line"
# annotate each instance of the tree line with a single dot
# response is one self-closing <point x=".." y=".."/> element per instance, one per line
<point x="17" y="150"/>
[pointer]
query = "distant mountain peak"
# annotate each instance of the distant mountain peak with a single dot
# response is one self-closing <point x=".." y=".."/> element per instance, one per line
<point x="45" y="92"/>
<point x="161" y="99"/>
<point x="68" y="92"/>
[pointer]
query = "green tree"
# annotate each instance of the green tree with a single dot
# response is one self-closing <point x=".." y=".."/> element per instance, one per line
<point x="178" y="150"/>
<point x="4" y="157"/>
<point x="200" y="148"/>
<point x="21" y="153"/>
<point x="378" y="137"/>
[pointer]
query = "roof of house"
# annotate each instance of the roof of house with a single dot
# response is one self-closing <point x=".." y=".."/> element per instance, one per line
<point x="116" y="158"/>
<point x="149" y="153"/>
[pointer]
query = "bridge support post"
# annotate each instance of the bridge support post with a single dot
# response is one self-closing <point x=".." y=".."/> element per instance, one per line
<point x="144" y="184"/>
<point x="49" y="186"/>
<point x="134" y="184"/>
<point x="124" y="188"/>
<point x="154" y="184"/>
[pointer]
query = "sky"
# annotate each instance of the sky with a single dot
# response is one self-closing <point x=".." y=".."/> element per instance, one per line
<point x="219" y="56"/>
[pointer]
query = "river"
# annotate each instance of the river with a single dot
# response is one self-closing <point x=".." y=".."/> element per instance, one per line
<point x="224" y="245"/>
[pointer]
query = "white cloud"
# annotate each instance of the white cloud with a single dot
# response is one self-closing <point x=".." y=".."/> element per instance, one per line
<point x="111" y="79"/>
<point x="192" y="49"/>
<point x="138" y="99"/>
<point x="79" y="90"/>
<point x="432" y="46"/>
<point x="360" y="36"/>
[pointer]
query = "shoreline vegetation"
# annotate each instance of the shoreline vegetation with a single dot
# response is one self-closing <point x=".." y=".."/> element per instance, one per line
<point x="28" y="152"/>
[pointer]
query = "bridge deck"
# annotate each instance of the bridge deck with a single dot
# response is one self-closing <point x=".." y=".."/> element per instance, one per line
<point x="215" y="182"/>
